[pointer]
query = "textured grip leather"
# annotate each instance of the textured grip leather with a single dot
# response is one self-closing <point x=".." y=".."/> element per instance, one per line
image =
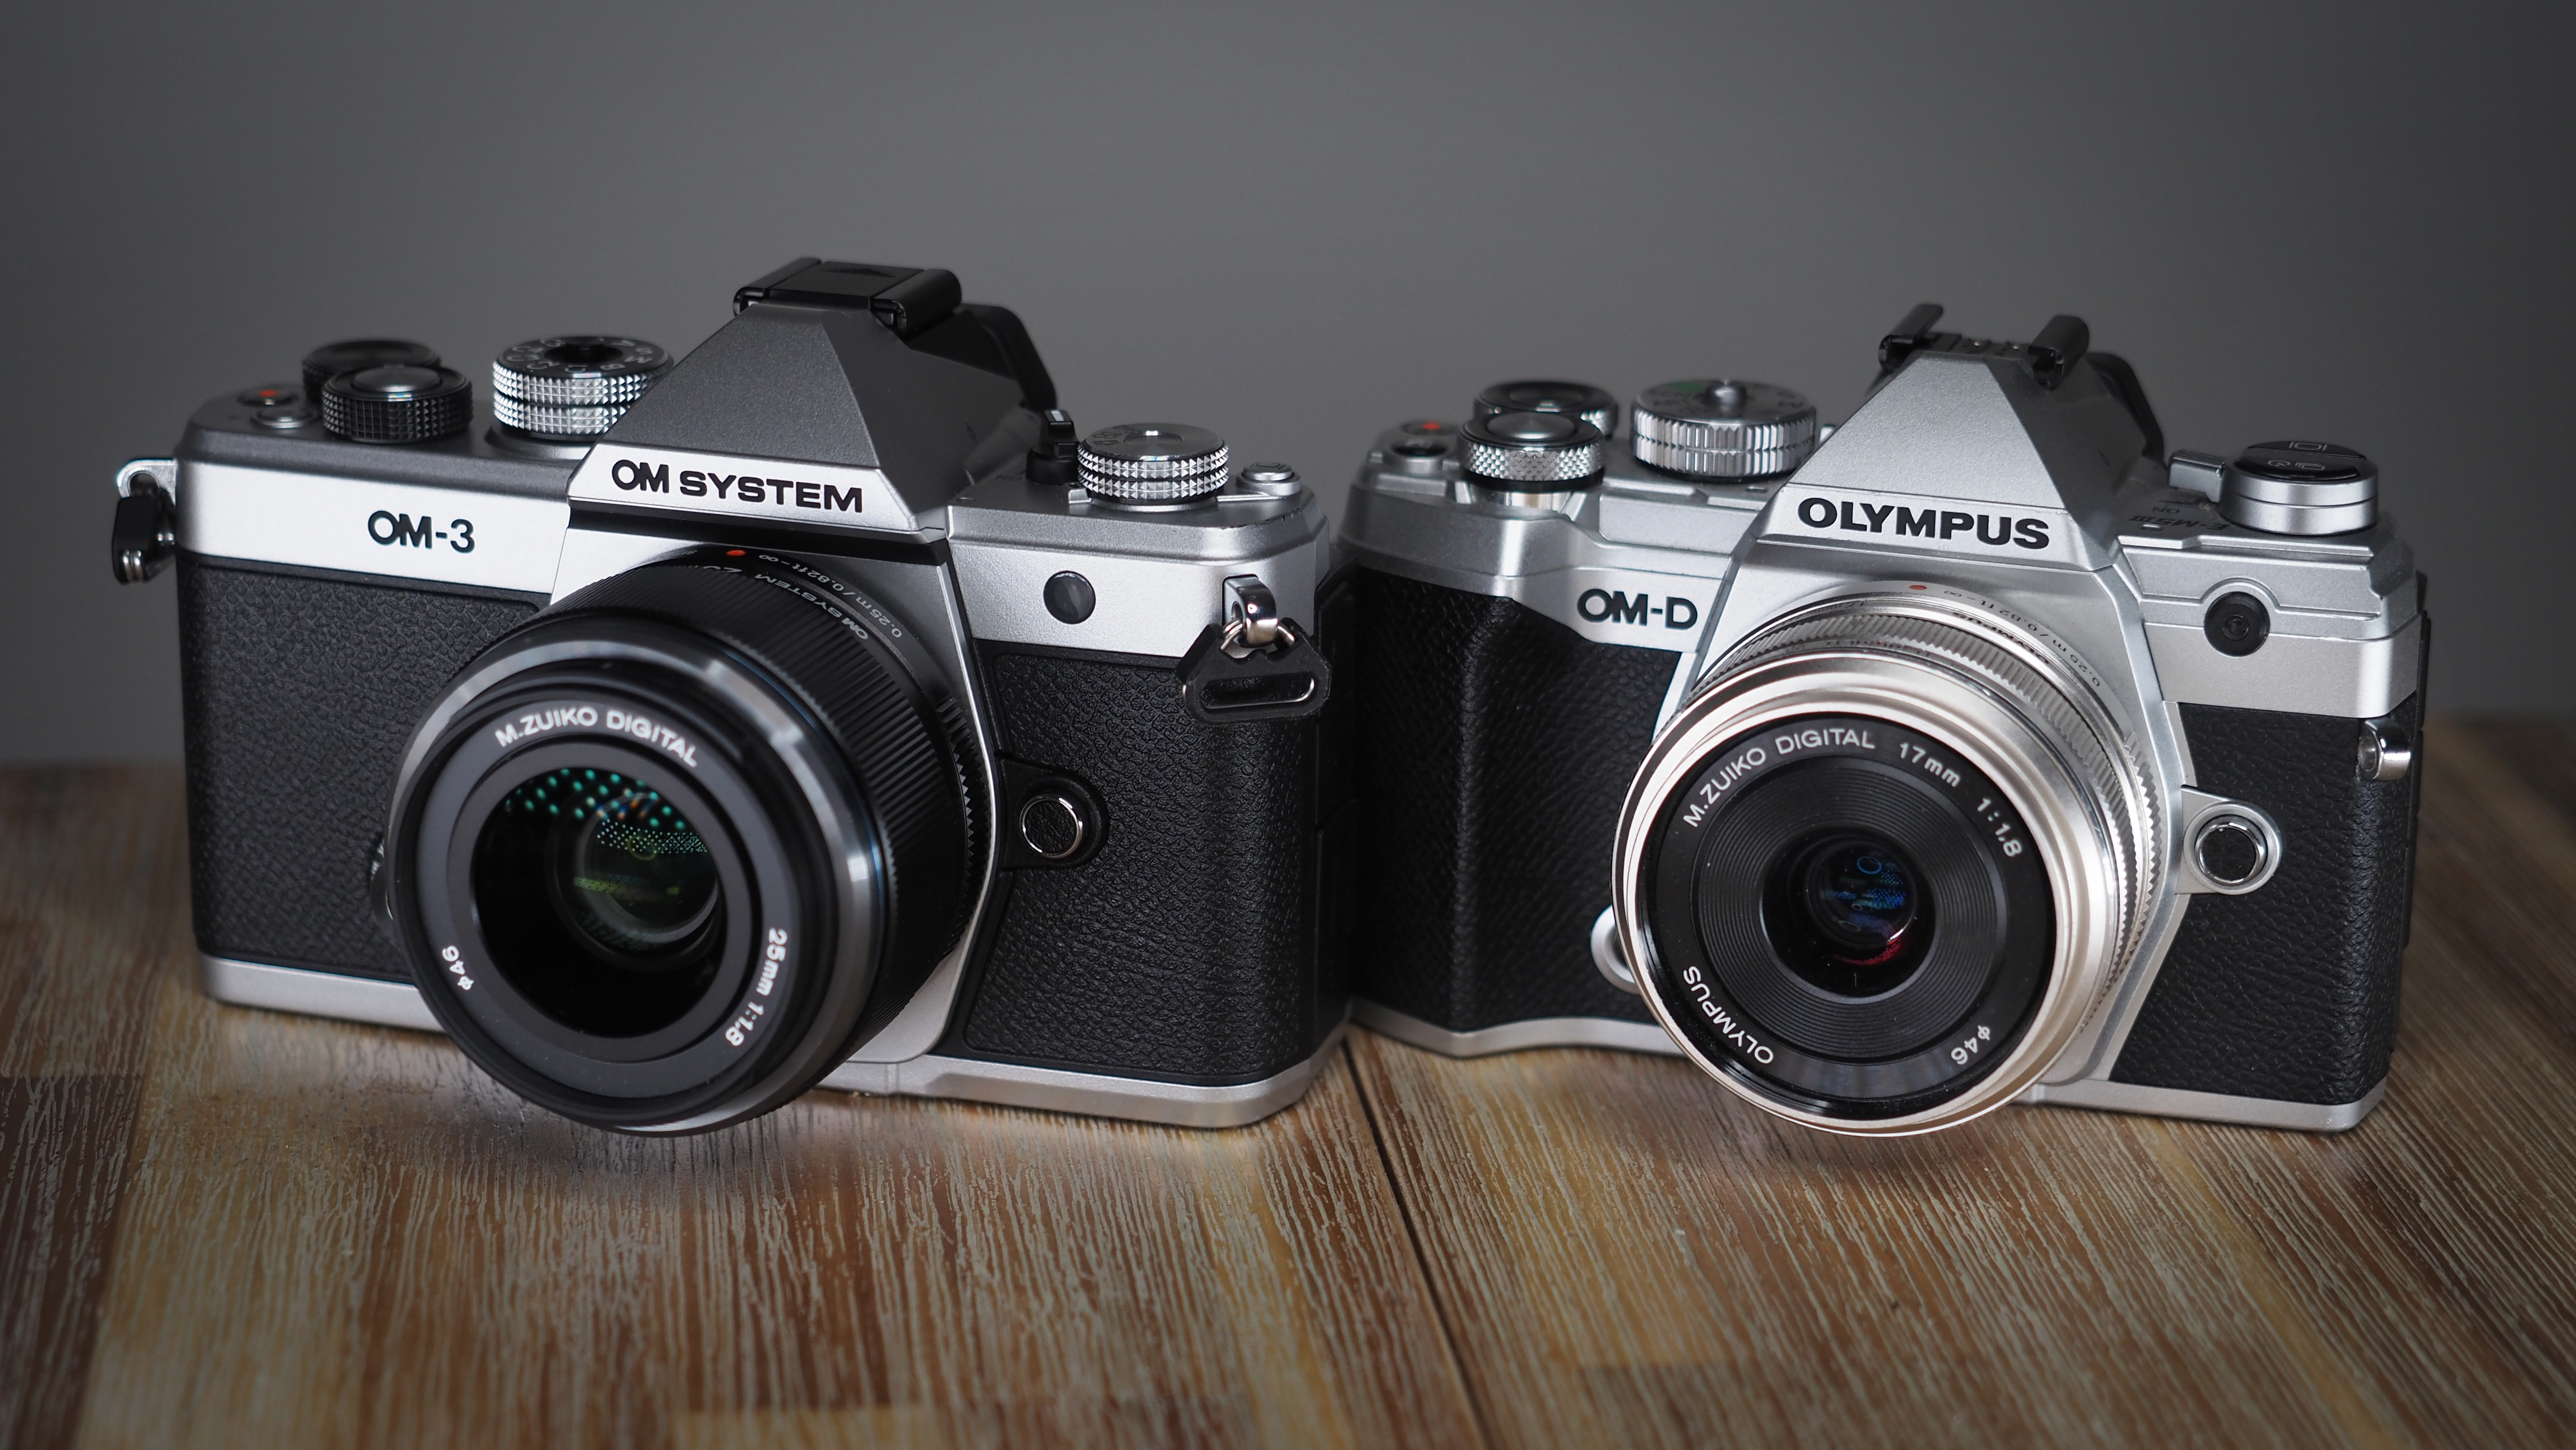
<point x="1495" y="746"/>
<point x="1186" y="948"/>
<point x="2289" y="993"/>
<point x="301" y="692"/>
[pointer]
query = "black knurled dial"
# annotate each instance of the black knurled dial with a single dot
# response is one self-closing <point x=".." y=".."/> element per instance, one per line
<point x="330" y="360"/>
<point x="397" y="404"/>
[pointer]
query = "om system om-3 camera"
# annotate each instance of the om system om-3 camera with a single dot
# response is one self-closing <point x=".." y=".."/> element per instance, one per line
<point x="2025" y="761"/>
<point x="821" y="709"/>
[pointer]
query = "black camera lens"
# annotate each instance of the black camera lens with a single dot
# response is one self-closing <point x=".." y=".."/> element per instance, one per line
<point x="600" y="900"/>
<point x="666" y="851"/>
<point x="1847" y="913"/>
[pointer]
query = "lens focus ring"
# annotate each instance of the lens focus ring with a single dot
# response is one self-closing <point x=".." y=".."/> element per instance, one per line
<point x="1973" y="649"/>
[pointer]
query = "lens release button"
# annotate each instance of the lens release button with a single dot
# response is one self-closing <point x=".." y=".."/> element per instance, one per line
<point x="1053" y="826"/>
<point x="2229" y="852"/>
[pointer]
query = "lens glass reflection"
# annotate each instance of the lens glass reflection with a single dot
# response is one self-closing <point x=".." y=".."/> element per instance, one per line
<point x="1848" y="913"/>
<point x="1860" y="898"/>
<point x="600" y="900"/>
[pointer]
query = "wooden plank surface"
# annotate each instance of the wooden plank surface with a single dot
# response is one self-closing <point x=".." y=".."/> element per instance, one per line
<point x="333" y="1234"/>
<point x="221" y="1226"/>
<point x="1626" y="1254"/>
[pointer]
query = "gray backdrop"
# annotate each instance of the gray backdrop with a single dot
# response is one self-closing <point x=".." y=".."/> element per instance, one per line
<point x="1295" y="225"/>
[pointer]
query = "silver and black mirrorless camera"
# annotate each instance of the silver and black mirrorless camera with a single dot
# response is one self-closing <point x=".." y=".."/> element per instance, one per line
<point x="819" y="709"/>
<point x="1990" y="753"/>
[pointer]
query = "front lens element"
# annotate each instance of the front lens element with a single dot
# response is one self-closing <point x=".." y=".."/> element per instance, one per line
<point x="1849" y="913"/>
<point x="628" y="871"/>
<point x="599" y="900"/>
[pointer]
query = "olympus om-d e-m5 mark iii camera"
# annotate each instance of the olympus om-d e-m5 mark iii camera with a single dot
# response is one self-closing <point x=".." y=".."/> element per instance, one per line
<point x="821" y="709"/>
<point x="2013" y="758"/>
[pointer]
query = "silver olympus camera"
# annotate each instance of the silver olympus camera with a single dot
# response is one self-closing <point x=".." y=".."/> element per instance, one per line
<point x="819" y="709"/>
<point x="2011" y="759"/>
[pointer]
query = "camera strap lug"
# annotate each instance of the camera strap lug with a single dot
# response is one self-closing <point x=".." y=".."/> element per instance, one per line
<point x="145" y="537"/>
<point x="1255" y="666"/>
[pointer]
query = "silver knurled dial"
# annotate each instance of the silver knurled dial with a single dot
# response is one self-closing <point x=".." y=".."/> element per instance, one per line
<point x="1723" y="428"/>
<point x="1533" y="448"/>
<point x="1153" y="462"/>
<point x="576" y="386"/>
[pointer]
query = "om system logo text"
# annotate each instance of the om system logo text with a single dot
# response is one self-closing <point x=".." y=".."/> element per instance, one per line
<point x="635" y="476"/>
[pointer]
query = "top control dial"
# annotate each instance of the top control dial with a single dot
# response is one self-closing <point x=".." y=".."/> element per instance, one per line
<point x="397" y="403"/>
<point x="331" y="359"/>
<point x="1153" y="462"/>
<point x="1554" y="450"/>
<point x="1723" y="428"/>
<point x="573" y="387"/>
<point x="2299" y="487"/>
<point x="1540" y="395"/>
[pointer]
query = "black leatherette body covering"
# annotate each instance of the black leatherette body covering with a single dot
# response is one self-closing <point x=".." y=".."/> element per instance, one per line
<point x="1494" y="748"/>
<point x="302" y="690"/>
<point x="1187" y="947"/>
<point x="2289" y="993"/>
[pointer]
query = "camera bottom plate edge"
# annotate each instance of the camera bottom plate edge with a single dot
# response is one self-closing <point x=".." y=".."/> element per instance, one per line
<point x="2105" y="1096"/>
<point x="1519" y="1036"/>
<point x="2095" y="1094"/>
<point x="1005" y="1084"/>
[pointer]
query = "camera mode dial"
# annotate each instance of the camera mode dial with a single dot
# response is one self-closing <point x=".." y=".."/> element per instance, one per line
<point x="1543" y="395"/>
<point x="573" y="387"/>
<point x="397" y="403"/>
<point x="1723" y="428"/>
<point x="1153" y="462"/>
<point x="1555" y="450"/>
<point x="2300" y="487"/>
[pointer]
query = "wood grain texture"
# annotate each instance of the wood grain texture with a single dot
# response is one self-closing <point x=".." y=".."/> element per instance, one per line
<point x="221" y="1226"/>
<point x="1627" y="1254"/>
<point x="236" y="1227"/>
<point x="92" y="901"/>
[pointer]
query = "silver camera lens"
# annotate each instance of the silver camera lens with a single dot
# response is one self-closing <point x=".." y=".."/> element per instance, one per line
<point x="1878" y="871"/>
